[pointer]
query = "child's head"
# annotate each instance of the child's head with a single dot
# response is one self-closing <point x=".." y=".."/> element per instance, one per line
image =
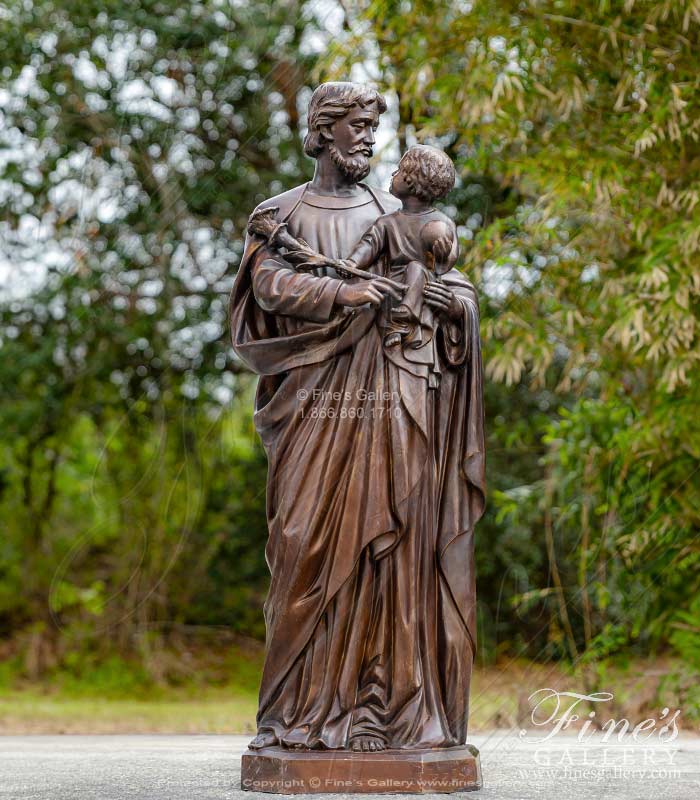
<point x="424" y="172"/>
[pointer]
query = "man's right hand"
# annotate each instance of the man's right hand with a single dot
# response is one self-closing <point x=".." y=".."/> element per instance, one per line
<point x="363" y="292"/>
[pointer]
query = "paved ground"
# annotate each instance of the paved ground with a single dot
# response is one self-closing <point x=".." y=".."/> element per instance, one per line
<point x="208" y="768"/>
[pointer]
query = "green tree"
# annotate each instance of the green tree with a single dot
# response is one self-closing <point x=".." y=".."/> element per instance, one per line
<point x="576" y="129"/>
<point x="136" y="138"/>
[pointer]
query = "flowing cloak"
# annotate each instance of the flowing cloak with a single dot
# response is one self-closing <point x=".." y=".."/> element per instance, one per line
<point x="352" y="432"/>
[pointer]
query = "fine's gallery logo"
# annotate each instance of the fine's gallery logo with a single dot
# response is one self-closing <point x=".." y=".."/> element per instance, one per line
<point x="554" y="711"/>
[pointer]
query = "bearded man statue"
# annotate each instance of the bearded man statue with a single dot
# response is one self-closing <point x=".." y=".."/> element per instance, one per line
<point x="376" y="478"/>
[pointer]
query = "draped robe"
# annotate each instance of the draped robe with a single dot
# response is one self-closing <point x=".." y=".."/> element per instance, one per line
<point x="375" y="483"/>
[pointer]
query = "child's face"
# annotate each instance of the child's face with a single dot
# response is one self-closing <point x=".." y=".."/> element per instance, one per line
<point x="399" y="185"/>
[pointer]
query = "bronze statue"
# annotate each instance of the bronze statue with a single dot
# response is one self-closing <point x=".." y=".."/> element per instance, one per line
<point x="369" y="405"/>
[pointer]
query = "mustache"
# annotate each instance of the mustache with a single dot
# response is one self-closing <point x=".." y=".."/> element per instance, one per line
<point x="354" y="167"/>
<point x="365" y="149"/>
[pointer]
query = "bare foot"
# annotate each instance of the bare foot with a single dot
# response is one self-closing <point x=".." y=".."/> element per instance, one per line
<point x="367" y="744"/>
<point x="401" y="313"/>
<point x="267" y="739"/>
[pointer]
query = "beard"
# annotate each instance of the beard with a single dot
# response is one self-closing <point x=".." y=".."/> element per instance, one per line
<point x="354" y="166"/>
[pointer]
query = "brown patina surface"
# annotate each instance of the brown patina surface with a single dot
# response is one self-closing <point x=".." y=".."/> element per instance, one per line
<point x="376" y="481"/>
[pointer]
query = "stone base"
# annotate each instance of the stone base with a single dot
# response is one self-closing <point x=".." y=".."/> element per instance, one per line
<point x="281" y="771"/>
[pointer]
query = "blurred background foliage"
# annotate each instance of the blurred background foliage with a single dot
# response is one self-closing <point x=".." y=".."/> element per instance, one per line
<point x="135" y="138"/>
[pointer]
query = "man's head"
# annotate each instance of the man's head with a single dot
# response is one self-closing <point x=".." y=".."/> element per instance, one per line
<point x="342" y="120"/>
<point x="424" y="172"/>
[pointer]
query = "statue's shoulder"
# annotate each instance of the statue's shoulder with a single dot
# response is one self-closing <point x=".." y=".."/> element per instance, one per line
<point x="444" y="218"/>
<point x="386" y="201"/>
<point x="285" y="202"/>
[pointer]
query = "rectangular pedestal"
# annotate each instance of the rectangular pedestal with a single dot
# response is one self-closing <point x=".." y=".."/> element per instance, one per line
<point x="282" y="771"/>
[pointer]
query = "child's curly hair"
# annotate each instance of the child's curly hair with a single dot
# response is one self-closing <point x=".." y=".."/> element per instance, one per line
<point x="428" y="171"/>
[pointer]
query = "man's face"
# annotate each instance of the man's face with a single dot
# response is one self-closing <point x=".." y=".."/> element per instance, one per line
<point x="353" y="140"/>
<point x="355" y="131"/>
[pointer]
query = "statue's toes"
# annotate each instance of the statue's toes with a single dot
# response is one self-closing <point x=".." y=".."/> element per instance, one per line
<point x="367" y="744"/>
<point x="267" y="739"/>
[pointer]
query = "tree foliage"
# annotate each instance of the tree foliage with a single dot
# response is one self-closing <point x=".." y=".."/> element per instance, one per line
<point x="136" y="137"/>
<point x="576" y="131"/>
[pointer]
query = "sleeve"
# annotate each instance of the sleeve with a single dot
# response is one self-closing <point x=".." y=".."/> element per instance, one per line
<point x="279" y="289"/>
<point x="454" y="253"/>
<point x="370" y="246"/>
<point x="457" y="336"/>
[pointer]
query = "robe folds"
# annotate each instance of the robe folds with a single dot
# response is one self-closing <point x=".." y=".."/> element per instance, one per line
<point x="375" y="484"/>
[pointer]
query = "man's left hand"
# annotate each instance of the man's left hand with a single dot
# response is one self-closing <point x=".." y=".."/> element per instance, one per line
<point x="443" y="300"/>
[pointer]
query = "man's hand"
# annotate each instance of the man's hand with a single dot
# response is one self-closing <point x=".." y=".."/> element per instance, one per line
<point x="443" y="300"/>
<point x="363" y="292"/>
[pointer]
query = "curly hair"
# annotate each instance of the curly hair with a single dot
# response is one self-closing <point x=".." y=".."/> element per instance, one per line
<point x="428" y="171"/>
<point x="331" y="101"/>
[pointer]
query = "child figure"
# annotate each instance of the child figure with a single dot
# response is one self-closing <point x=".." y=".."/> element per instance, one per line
<point x="419" y="242"/>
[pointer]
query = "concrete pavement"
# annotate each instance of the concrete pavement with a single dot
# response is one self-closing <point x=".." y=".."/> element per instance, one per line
<point x="208" y="768"/>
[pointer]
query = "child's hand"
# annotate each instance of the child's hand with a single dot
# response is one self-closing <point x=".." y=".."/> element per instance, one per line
<point x="442" y="248"/>
<point x="310" y="261"/>
<point x="438" y="239"/>
<point x="339" y="266"/>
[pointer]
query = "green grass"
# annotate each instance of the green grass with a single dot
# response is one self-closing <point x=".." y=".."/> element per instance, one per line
<point x="112" y="700"/>
<point x="214" y="711"/>
<point x="198" y="692"/>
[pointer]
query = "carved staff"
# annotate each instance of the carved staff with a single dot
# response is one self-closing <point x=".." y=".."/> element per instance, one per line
<point x="299" y="254"/>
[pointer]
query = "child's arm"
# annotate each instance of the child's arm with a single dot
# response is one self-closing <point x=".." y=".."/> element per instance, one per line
<point x="370" y="246"/>
<point x="263" y="222"/>
<point x="298" y="253"/>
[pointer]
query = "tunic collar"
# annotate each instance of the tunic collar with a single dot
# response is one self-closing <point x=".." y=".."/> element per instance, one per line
<point x="330" y="201"/>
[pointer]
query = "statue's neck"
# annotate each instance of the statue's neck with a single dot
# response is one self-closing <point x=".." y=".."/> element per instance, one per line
<point x="414" y="205"/>
<point x="330" y="180"/>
